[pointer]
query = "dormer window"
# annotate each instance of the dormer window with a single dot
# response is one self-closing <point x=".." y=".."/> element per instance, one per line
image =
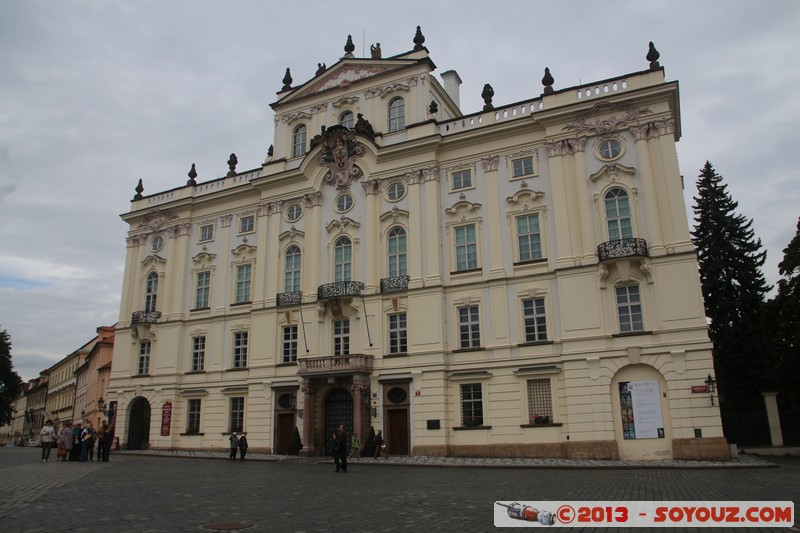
<point x="299" y="141"/>
<point x="397" y="114"/>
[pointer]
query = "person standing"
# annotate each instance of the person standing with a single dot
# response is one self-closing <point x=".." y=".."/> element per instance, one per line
<point x="355" y="446"/>
<point x="242" y="447"/>
<point x="105" y="442"/>
<point x="65" y="441"/>
<point x="341" y="450"/>
<point x="234" y="440"/>
<point x="75" y="452"/>
<point x="378" y="444"/>
<point x="47" y="435"/>
<point x="87" y="436"/>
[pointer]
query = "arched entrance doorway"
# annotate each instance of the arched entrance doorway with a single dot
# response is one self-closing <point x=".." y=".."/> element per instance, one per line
<point x="641" y="413"/>
<point x="338" y="410"/>
<point x="139" y="424"/>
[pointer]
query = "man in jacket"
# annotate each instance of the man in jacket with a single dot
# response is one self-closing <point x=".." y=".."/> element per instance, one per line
<point x="341" y="450"/>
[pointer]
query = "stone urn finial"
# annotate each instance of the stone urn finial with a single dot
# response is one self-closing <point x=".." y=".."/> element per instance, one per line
<point x="419" y="39"/>
<point x="287" y="80"/>
<point x="652" y="57"/>
<point x="192" y="175"/>
<point x="487" y="95"/>
<point x="548" y="81"/>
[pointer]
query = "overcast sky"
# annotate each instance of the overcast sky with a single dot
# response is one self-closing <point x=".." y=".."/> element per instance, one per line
<point x="95" y="95"/>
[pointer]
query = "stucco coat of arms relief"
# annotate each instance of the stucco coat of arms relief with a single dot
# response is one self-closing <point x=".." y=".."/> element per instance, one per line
<point x="339" y="150"/>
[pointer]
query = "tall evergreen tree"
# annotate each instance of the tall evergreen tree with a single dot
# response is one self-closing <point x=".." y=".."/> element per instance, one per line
<point x="730" y="259"/>
<point x="10" y="382"/>
<point x="782" y="321"/>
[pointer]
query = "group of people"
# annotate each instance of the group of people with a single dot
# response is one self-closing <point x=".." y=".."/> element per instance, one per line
<point x="77" y="443"/>
<point x="339" y="444"/>
<point x="238" y="444"/>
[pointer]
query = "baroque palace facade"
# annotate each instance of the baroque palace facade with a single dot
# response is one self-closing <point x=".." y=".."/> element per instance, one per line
<point x="519" y="281"/>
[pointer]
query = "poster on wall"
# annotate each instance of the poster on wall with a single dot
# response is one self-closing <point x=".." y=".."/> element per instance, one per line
<point x="640" y="402"/>
<point x="166" y="419"/>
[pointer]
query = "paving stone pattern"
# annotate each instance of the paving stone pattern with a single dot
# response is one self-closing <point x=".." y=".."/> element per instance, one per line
<point x="169" y="492"/>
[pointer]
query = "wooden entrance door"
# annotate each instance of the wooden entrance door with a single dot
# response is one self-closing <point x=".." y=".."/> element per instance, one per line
<point x="338" y="410"/>
<point x="397" y="431"/>
<point x="284" y="433"/>
<point x="139" y="425"/>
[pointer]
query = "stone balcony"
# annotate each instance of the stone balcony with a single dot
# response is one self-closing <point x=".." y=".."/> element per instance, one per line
<point x="622" y="248"/>
<point x="334" y="364"/>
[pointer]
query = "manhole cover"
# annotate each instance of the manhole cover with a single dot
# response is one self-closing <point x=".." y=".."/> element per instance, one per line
<point x="227" y="526"/>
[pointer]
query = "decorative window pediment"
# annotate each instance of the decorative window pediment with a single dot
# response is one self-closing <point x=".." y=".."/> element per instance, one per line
<point x="204" y="260"/>
<point x="152" y="260"/>
<point x="291" y="235"/>
<point x="244" y="251"/>
<point x="463" y="208"/>
<point x="394" y="215"/>
<point x="525" y="195"/>
<point x="612" y="172"/>
<point x="341" y="225"/>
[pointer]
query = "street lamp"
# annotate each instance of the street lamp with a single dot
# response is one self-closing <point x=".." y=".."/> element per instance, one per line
<point x="101" y="406"/>
<point x="711" y="387"/>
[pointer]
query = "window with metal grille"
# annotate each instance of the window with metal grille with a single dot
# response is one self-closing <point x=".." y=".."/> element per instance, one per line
<point x="471" y="405"/>
<point x="290" y="343"/>
<point x="236" y="418"/>
<point x="144" y="357"/>
<point x="198" y="353"/>
<point x="240" y="349"/>
<point x="535" y="320"/>
<point x="540" y="401"/>
<point x="193" y="416"/>
<point x="398" y="334"/>
<point x="341" y="337"/>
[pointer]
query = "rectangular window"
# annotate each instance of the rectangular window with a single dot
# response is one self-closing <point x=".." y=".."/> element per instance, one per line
<point x="471" y="405"/>
<point x="523" y="167"/>
<point x="535" y="321"/>
<point x="462" y="179"/>
<point x="290" y="343"/>
<point x="240" y="349"/>
<point x="202" y="290"/>
<point x="529" y="237"/>
<point x="247" y="224"/>
<point x="236" y="419"/>
<point x="341" y="337"/>
<point x="540" y="401"/>
<point x="466" y="248"/>
<point x="193" y="416"/>
<point x="469" y="327"/>
<point x="144" y="357"/>
<point x="398" y="333"/>
<point x="206" y="232"/>
<point x="243" y="275"/>
<point x="198" y="353"/>
<point x="629" y="309"/>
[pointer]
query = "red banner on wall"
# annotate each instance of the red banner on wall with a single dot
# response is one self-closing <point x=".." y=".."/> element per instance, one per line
<point x="166" y="419"/>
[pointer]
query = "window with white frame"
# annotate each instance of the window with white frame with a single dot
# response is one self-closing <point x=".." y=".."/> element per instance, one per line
<point x="236" y="415"/>
<point x="290" y="343"/>
<point x="535" y="320"/>
<point x="398" y="333"/>
<point x="244" y="274"/>
<point x="471" y="405"/>
<point x="247" y="224"/>
<point x="529" y="237"/>
<point x="198" y="353"/>
<point x="341" y="337"/>
<point x="240" y="340"/>
<point x="202" y="290"/>
<point x="299" y="141"/>
<point x="206" y="232"/>
<point x="629" y="309"/>
<point x="466" y="243"/>
<point x="469" y="327"/>
<point x="618" y="214"/>
<point x="462" y="179"/>
<point x="522" y="167"/>
<point x="347" y="119"/>
<point x="540" y="401"/>
<point x="151" y="293"/>
<point x="144" y="357"/>
<point x="397" y="114"/>
<point x="342" y="259"/>
<point x="291" y="273"/>
<point x="193" y="415"/>
<point x="396" y="242"/>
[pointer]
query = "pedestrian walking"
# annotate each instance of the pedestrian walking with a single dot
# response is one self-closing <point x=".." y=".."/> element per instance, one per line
<point x="355" y="446"/>
<point x="65" y="441"/>
<point x="234" y="440"/>
<point x="105" y="442"/>
<point x="242" y="447"/>
<point x="341" y="450"/>
<point x="378" y="444"/>
<point x="47" y="434"/>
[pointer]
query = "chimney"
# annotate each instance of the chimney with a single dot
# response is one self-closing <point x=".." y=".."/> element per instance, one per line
<point x="452" y="82"/>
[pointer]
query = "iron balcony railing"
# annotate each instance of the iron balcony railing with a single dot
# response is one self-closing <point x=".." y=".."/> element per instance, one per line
<point x="622" y="248"/>
<point x="290" y="298"/>
<point x="395" y="284"/>
<point x="340" y="289"/>
<point x="145" y="317"/>
<point x="334" y="364"/>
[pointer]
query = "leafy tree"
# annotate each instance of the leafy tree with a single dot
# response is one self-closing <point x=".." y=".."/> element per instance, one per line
<point x="782" y="320"/>
<point x="734" y="288"/>
<point x="10" y="382"/>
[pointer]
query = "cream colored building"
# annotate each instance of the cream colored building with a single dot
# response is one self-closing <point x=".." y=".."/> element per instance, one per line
<point x="517" y="281"/>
